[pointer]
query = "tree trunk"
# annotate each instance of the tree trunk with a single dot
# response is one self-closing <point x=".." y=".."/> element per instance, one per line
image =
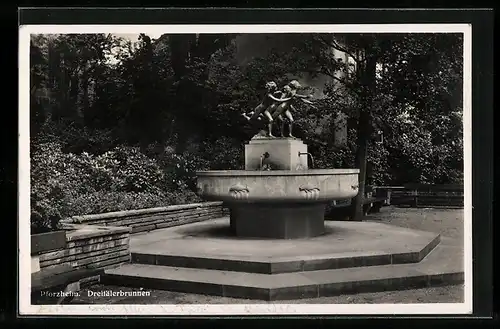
<point x="364" y="132"/>
<point x="85" y="87"/>
<point x="361" y="155"/>
<point x="73" y="106"/>
<point x="179" y="53"/>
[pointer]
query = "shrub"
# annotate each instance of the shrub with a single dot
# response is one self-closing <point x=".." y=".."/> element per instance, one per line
<point x="47" y="190"/>
<point x="67" y="184"/>
<point x="76" y="139"/>
<point x="180" y="169"/>
<point x="100" y="202"/>
<point x="133" y="171"/>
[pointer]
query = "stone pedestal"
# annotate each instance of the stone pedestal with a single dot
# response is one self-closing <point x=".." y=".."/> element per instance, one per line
<point x="277" y="221"/>
<point x="283" y="153"/>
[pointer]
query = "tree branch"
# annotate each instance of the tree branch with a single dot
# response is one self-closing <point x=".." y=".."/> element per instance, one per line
<point x="338" y="47"/>
<point x="331" y="75"/>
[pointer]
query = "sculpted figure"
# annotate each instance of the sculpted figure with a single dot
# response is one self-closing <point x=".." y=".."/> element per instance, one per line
<point x="282" y="111"/>
<point x="273" y="98"/>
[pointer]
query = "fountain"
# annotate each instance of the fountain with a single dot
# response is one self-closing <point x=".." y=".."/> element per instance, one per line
<point x="275" y="245"/>
<point x="284" y="203"/>
<point x="287" y="202"/>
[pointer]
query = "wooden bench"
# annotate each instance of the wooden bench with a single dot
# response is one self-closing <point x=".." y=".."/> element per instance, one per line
<point x="58" y="285"/>
<point x="375" y="203"/>
<point x="341" y="209"/>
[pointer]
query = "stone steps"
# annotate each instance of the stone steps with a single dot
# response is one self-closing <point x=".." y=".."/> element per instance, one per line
<point x="276" y="265"/>
<point x="442" y="266"/>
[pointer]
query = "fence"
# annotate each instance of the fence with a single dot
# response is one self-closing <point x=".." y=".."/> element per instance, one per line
<point x="423" y="195"/>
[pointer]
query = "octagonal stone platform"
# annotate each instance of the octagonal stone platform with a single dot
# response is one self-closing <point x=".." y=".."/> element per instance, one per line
<point x="209" y="245"/>
<point x="351" y="257"/>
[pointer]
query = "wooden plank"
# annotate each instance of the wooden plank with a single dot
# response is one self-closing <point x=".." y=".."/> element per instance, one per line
<point x="435" y="187"/>
<point x="436" y="199"/>
<point x="441" y="204"/>
<point x="340" y="204"/>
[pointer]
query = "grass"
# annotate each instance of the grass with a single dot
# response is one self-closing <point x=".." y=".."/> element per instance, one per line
<point x="447" y="222"/>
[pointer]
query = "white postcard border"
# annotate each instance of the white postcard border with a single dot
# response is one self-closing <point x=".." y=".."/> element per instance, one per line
<point x="25" y="308"/>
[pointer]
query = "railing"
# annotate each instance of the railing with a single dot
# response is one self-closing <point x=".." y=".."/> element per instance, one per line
<point x="415" y="195"/>
<point x="423" y="195"/>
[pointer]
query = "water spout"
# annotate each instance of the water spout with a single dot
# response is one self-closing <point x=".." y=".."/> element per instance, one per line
<point x="310" y="155"/>
<point x="262" y="157"/>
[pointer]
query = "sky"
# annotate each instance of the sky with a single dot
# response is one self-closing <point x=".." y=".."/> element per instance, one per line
<point x="134" y="36"/>
<point x="129" y="36"/>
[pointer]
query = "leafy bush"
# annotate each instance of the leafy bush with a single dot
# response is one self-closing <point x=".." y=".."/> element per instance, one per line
<point x="180" y="169"/>
<point x="76" y="139"/>
<point x="47" y="192"/>
<point x="67" y="184"/>
<point x="100" y="202"/>
<point x="132" y="170"/>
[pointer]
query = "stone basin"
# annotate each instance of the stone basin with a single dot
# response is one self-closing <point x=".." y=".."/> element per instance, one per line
<point x="275" y="186"/>
<point x="285" y="203"/>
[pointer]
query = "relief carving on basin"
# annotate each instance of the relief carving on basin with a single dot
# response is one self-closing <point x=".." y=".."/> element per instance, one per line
<point x="278" y="185"/>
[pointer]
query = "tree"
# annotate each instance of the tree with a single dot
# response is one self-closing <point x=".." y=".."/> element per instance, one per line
<point x="65" y="71"/>
<point x="185" y="92"/>
<point x="385" y="76"/>
<point x="190" y="96"/>
<point x="410" y="69"/>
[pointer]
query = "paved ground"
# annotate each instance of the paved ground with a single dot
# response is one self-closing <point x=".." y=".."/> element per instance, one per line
<point x="448" y="222"/>
<point x="211" y="239"/>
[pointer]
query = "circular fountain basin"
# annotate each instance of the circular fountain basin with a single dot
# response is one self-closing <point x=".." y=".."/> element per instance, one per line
<point x="275" y="186"/>
<point x="278" y="204"/>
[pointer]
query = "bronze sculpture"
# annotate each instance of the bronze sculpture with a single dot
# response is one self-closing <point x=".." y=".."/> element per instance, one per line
<point x="271" y="100"/>
<point x="277" y="105"/>
<point x="290" y="93"/>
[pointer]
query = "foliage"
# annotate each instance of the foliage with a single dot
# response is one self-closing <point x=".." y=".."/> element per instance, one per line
<point x="116" y="125"/>
<point x="67" y="184"/>
<point x="100" y="202"/>
<point x="415" y="100"/>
